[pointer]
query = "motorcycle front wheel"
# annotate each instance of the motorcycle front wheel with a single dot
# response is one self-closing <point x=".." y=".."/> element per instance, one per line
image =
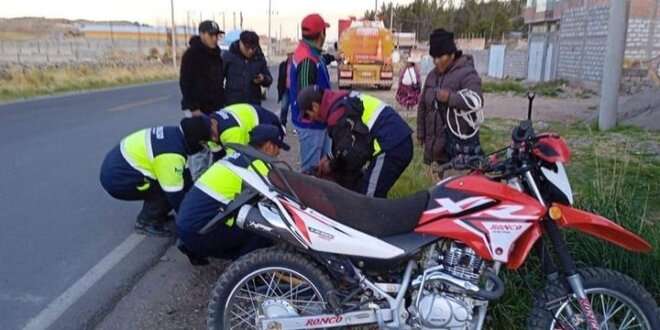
<point x="271" y="282"/>
<point x="617" y="300"/>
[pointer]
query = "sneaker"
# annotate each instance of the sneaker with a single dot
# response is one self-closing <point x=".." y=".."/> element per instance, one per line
<point x="152" y="228"/>
<point x="194" y="258"/>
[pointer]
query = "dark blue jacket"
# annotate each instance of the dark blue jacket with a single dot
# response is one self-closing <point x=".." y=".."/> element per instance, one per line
<point x="308" y="69"/>
<point x="239" y="72"/>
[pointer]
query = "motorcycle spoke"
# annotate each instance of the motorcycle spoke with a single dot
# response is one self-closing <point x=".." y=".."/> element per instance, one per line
<point x="271" y="285"/>
<point x="246" y="317"/>
<point x="625" y="324"/>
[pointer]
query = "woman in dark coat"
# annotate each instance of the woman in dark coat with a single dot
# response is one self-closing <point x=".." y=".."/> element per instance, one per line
<point x="453" y="72"/>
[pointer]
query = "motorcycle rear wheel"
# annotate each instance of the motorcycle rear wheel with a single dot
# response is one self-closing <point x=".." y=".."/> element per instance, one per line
<point x="617" y="301"/>
<point x="281" y="281"/>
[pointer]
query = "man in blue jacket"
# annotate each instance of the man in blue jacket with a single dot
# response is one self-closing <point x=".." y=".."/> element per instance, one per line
<point x="150" y="165"/>
<point x="216" y="188"/>
<point x="245" y="70"/>
<point x="309" y="68"/>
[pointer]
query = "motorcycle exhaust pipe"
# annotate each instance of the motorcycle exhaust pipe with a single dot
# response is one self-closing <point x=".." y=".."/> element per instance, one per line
<point x="498" y="287"/>
<point x="250" y="218"/>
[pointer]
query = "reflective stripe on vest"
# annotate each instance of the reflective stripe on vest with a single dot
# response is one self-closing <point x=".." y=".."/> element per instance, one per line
<point x="222" y="184"/>
<point x="245" y="114"/>
<point x="372" y="109"/>
<point x="137" y="151"/>
<point x="247" y="118"/>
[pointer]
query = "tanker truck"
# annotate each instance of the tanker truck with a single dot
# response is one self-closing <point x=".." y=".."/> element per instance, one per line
<point x="366" y="47"/>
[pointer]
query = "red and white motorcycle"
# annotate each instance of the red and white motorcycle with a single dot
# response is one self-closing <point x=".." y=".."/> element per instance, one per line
<point x="429" y="261"/>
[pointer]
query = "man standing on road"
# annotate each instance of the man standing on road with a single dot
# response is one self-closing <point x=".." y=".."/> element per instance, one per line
<point x="216" y="188"/>
<point x="363" y="129"/>
<point x="246" y="70"/>
<point x="150" y="165"/>
<point x="283" y="85"/>
<point x="309" y="68"/>
<point x="201" y="78"/>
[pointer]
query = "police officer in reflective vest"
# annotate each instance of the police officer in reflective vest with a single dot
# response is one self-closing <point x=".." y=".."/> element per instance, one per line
<point x="233" y="123"/>
<point x="363" y="129"/>
<point x="216" y="188"/>
<point x="150" y="165"/>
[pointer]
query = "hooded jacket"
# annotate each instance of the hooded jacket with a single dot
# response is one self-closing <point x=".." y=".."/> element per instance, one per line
<point x="201" y="78"/>
<point x="239" y="73"/>
<point x="431" y="122"/>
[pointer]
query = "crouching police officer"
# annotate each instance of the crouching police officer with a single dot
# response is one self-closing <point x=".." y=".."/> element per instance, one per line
<point x="150" y="165"/>
<point x="216" y="188"/>
<point x="363" y="129"/>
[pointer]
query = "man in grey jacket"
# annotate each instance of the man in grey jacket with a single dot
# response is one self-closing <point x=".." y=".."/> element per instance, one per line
<point x="454" y="72"/>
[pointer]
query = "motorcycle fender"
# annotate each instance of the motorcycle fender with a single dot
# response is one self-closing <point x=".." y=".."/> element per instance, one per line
<point x="600" y="227"/>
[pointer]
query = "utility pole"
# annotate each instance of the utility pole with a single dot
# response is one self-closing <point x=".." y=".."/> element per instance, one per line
<point x="270" y="40"/>
<point x="376" y="11"/>
<point x="234" y="20"/>
<point x="224" y="27"/>
<point x="616" y="47"/>
<point x="173" y="36"/>
<point x="391" y="16"/>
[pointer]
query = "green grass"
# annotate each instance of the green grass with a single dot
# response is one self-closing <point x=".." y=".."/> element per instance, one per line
<point x="615" y="174"/>
<point x="546" y="89"/>
<point x="20" y="83"/>
<point x="503" y="87"/>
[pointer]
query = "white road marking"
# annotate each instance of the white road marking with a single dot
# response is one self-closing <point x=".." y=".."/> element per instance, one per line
<point x="58" y="306"/>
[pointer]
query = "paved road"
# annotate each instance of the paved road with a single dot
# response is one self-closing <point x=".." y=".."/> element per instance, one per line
<point x="59" y="231"/>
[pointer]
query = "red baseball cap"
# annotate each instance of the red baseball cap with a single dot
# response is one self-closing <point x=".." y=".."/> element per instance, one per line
<point x="313" y="24"/>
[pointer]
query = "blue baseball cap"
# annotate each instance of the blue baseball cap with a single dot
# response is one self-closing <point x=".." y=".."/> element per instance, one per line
<point x="264" y="133"/>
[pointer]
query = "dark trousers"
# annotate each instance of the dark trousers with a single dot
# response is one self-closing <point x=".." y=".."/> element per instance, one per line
<point x="386" y="168"/>
<point x="123" y="182"/>
<point x="284" y="108"/>
<point x="224" y="242"/>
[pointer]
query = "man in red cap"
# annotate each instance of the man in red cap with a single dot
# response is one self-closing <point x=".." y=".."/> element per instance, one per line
<point x="309" y="68"/>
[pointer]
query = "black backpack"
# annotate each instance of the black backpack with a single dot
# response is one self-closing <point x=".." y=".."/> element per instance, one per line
<point x="352" y="144"/>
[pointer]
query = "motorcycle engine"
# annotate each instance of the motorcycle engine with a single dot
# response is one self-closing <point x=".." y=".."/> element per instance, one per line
<point x="462" y="262"/>
<point x="444" y="306"/>
<point x="439" y="311"/>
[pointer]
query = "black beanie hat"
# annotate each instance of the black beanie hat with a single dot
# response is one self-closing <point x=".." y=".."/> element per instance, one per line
<point x="196" y="129"/>
<point x="441" y="42"/>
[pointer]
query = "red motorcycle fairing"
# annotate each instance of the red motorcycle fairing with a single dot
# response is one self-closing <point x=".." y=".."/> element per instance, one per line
<point x="600" y="227"/>
<point x="552" y="148"/>
<point x="487" y="216"/>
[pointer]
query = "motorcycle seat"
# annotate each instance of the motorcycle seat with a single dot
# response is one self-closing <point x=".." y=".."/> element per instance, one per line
<point x="377" y="217"/>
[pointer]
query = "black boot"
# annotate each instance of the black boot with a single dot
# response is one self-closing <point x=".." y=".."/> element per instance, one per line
<point x="194" y="258"/>
<point x="151" y="220"/>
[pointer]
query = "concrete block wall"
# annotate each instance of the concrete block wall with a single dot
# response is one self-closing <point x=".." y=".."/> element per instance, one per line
<point x="642" y="35"/>
<point x="582" y="44"/>
<point x="515" y="63"/>
<point x="481" y="58"/>
<point x="78" y="50"/>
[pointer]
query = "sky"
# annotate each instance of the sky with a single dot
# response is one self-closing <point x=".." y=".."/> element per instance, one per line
<point x="287" y="13"/>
